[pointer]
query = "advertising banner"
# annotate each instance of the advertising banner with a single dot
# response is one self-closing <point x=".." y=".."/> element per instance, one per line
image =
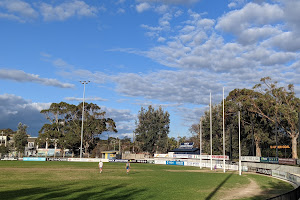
<point x="273" y="160"/>
<point x="160" y="162"/>
<point x="287" y="161"/>
<point x="264" y="159"/>
<point x="279" y="174"/>
<point x="161" y="155"/>
<point x="264" y="171"/>
<point x="87" y="160"/>
<point x="118" y="160"/>
<point x="214" y="157"/>
<point x="57" y="159"/>
<point x="194" y="164"/>
<point x="291" y="177"/>
<point x="180" y="156"/>
<point x="33" y="159"/>
<point x="175" y="163"/>
<point x="250" y="158"/>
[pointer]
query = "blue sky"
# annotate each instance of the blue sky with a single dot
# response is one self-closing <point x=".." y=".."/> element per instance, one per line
<point x="171" y="53"/>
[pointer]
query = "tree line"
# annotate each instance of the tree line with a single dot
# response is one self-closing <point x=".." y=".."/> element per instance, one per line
<point x="269" y="116"/>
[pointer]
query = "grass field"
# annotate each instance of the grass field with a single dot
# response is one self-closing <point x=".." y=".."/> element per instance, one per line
<point x="68" y="180"/>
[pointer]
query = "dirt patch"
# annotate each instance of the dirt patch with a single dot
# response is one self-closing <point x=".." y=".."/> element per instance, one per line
<point x="250" y="190"/>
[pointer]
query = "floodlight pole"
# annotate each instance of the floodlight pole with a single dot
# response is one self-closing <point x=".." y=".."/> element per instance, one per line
<point x="81" y="138"/>
<point x="240" y="162"/>
<point x="224" y="131"/>
<point x="210" y="133"/>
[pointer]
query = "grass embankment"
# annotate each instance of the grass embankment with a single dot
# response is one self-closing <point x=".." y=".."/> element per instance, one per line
<point x="68" y="180"/>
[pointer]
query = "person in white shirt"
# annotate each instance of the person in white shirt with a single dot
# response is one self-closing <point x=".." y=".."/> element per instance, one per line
<point x="100" y="166"/>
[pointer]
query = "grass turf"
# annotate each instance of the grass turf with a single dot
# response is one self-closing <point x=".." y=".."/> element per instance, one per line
<point x="69" y="180"/>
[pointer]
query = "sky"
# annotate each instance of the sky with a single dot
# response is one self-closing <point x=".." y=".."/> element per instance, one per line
<point x="136" y="53"/>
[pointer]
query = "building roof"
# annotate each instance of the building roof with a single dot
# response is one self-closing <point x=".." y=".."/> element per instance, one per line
<point x="184" y="150"/>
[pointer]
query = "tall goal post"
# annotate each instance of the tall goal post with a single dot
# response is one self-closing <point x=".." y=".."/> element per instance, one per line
<point x="210" y="114"/>
<point x="224" y="131"/>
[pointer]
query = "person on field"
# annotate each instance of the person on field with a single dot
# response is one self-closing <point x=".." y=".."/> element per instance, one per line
<point x="127" y="167"/>
<point x="100" y="166"/>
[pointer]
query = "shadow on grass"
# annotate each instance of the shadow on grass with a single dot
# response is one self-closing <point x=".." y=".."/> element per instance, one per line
<point x="106" y="192"/>
<point x="274" y="189"/>
<point x="218" y="187"/>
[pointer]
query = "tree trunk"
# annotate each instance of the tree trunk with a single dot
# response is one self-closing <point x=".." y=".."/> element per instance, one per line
<point x="294" y="147"/>
<point x="258" y="150"/>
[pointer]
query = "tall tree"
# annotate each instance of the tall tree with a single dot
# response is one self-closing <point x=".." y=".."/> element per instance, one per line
<point x="20" y="138"/>
<point x="280" y="106"/>
<point x="65" y="125"/>
<point x="152" y="129"/>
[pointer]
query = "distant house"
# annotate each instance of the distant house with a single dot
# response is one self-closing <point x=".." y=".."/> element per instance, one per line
<point x="31" y="147"/>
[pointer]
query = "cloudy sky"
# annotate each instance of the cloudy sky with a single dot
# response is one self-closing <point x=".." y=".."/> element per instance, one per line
<point x="171" y="53"/>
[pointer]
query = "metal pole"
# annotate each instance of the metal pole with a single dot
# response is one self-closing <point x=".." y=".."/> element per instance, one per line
<point x="210" y="133"/>
<point x="200" y="135"/>
<point x="224" y="131"/>
<point x="276" y="132"/>
<point x="81" y="138"/>
<point x="240" y="162"/>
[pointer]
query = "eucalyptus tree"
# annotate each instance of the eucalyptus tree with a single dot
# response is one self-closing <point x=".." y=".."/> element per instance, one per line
<point x="65" y="125"/>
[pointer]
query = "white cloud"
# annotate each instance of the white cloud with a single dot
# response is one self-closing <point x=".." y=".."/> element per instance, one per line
<point x="19" y="8"/>
<point x="143" y="7"/>
<point x="66" y="10"/>
<point x="11" y="17"/>
<point x="171" y="1"/>
<point x="287" y="41"/>
<point x="21" y="76"/>
<point x="121" y="11"/>
<point x="85" y="99"/>
<point x="251" y="15"/>
<point x="236" y="3"/>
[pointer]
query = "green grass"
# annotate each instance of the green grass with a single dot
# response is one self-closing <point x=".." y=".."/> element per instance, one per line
<point x="68" y="180"/>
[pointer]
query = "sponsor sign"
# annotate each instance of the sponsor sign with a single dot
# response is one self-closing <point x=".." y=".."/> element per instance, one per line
<point x="264" y="159"/>
<point x="279" y="174"/>
<point x="287" y="161"/>
<point x="214" y="157"/>
<point x="9" y="158"/>
<point x="151" y="161"/>
<point x="87" y="160"/>
<point x="250" y="158"/>
<point x="160" y="162"/>
<point x="161" y="155"/>
<point x="57" y="159"/>
<point x="195" y="164"/>
<point x="118" y="160"/>
<point x="220" y="157"/>
<point x="33" y="159"/>
<point x="264" y="171"/>
<point x="141" y="161"/>
<point x="273" y="160"/>
<point x="186" y="145"/>
<point x="180" y="156"/>
<point x="175" y="163"/>
<point x="280" y="147"/>
<point x="291" y="177"/>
